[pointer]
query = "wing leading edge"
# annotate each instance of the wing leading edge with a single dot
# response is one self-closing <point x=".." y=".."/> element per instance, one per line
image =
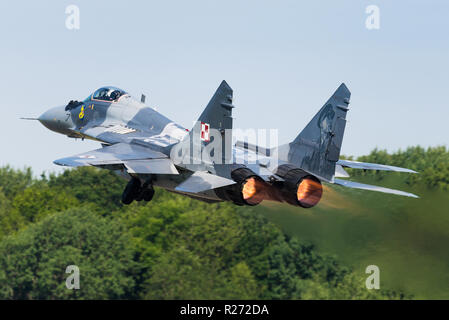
<point x="371" y="166"/>
<point x="135" y="158"/>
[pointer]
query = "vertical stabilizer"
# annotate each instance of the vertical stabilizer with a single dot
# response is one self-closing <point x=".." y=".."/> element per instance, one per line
<point x="210" y="139"/>
<point x="317" y="147"/>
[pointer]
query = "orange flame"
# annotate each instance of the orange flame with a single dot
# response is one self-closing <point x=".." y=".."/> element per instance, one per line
<point x="309" y="192"/>
<point x="253" y="191"/>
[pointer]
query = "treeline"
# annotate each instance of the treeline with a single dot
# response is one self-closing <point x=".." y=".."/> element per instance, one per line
<point x="431" y="163"/>
<point x="171" y="248"/>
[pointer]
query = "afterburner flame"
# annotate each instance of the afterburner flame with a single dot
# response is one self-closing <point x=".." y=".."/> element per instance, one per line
<point x="309" y="192"/>
<point x="253" y="190"/>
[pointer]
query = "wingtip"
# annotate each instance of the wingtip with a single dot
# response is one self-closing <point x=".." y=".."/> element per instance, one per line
<point x="60" y="163"/>
<point x="406" y="170"/>
<point x="180" y="189"/>
<point x="408" y="194"/>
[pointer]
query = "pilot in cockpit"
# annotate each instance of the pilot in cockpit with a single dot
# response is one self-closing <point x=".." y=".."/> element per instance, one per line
<point x="115" y="95"/>
<point x="108" y="94"/>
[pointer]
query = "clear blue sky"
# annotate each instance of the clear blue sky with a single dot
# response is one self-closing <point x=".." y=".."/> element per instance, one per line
<point x="282" y="58"/>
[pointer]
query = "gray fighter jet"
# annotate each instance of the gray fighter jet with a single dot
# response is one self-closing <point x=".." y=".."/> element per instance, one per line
<point x="204" y="163"/>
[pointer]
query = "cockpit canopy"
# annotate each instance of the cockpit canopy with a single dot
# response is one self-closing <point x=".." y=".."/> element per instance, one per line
<point x="107" y="94"/>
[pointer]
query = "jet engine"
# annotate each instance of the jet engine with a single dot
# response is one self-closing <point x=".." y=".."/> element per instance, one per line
<point x="249" y="190"/>
<point x="299" y="188"/>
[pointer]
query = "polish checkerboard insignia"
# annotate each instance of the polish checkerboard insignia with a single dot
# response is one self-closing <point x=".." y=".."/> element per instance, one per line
<point x="205" y="132"/>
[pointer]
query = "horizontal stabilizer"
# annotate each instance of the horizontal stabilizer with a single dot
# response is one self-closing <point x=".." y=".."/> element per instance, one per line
<point x="356" y="185"/>
<point x="371" y="166"/>
<point x="151" y="166"/>
<point x="202" y="181"/>
<point x="114" y="154"/>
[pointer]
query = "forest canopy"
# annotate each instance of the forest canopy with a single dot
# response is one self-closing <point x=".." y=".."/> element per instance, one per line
<point x="171" y="248"/>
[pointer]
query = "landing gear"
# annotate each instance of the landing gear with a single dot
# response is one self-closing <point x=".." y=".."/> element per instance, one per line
<point x="132" y="188"/>
<point x="148" y="194"/>
<point x="136" y="191"/>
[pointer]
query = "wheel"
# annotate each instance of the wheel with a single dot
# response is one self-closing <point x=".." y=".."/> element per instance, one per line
<point x="131" y="190"/>
<point x="139" y="195"/>
<point x="148" y="194"/>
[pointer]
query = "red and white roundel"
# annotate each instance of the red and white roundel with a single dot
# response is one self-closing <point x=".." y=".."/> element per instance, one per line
<point x="205" y="132"/>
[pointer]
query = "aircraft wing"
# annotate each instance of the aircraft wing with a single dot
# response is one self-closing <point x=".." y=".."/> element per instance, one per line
<point x="119" y="133"/>
<point x="371" y="166"/>
<point x="356" y="185"/>
<point x="135" y="158"/>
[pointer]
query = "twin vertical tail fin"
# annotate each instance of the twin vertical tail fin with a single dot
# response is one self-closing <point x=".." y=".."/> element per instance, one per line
<point x="218" y="112"/>
<point x="317" y="148"/>
<point x="209" y="131"/>
<point x="216" y="116"/>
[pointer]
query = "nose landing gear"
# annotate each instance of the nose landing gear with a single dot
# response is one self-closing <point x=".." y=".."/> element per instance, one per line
<point x="136" y="191"/>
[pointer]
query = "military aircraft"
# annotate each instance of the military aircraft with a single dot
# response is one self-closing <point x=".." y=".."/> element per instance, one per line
<point x="204" y="163"/>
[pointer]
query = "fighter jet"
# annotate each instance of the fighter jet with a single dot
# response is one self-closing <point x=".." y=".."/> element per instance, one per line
<point x="204" y="163"/>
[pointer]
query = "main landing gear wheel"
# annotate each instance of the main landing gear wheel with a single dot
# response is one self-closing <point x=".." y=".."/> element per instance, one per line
<point x="135" y="191"/>
<point x="148" y="193"/>
<point x="131" y="190"/>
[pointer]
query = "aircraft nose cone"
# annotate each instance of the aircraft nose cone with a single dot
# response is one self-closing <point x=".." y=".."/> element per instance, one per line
<point x="56" y="119"/>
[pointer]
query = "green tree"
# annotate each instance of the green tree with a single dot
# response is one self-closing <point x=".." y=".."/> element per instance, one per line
<point x="241" y="284"/>
<point x="14" y="181"/>
<point x="33" y="262"/>
<point x="10" y="220"/>
<point x="172" y="248"/>
<point x="180" y="274"/>
<point x="102" y="188"/>
<point x="431" y="163"/>
<point x="39" y="200"/>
